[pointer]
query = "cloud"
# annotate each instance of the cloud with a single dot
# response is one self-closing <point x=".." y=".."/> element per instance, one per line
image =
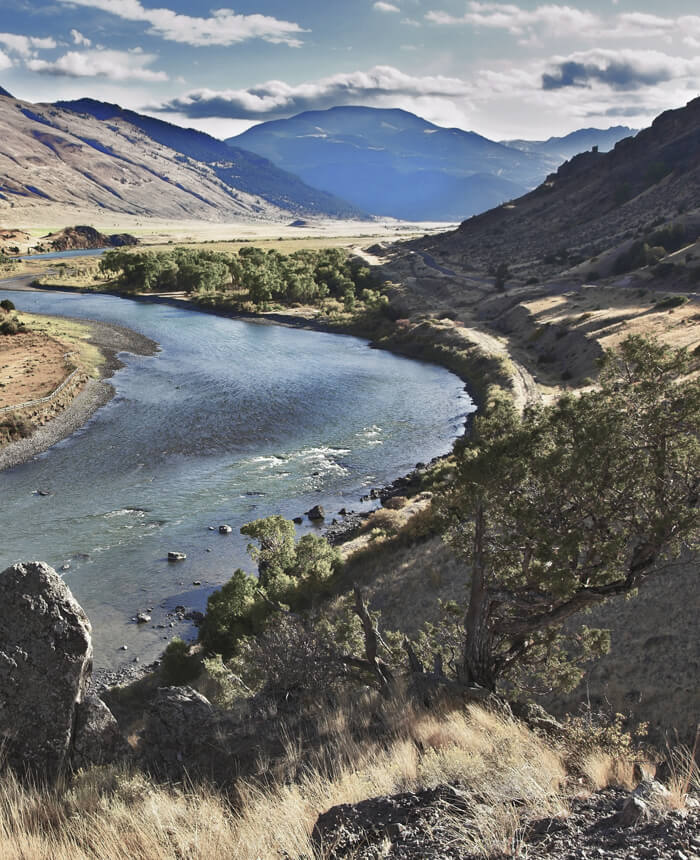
<point x="25" y="46"/>
<point x="115" y="65"/>
<point x="275" y="99"/>
<point x="553" y="19"/>
<point x="619" y="70"/>
<point x="381" y="6"/>
<point x="224" y="27"/>
<point x="5" y="61"/>
<point x="556" y="20"/>
<point x="79" y="39"/>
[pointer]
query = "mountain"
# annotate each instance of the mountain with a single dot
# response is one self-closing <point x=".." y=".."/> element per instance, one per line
<point x="52" y="156"/>
<point x="592" y="203"/>
<point x="3" y="92"/>
<point x="235" y="167"/>
<point x="391" y="162"/>
<point x="562" y="148"/>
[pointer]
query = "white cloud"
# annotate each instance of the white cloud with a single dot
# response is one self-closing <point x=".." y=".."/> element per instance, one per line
<point x="5" y="61"/>
<point x="79" y="39"/>
<point x="410" y="22"/>
<point x="115" y="65"/>
<point x="554" y="20"/>
<point x="224" y="27"/>
<point x="25" y="46"/>
<point x="381" y="6"/>
<point x="277" y="98"/>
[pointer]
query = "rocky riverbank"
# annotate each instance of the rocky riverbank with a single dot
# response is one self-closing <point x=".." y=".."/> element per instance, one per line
<point x="111" y="340"/>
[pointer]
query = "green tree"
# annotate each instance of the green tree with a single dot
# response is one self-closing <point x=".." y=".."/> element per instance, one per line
<point x="570" y="505"/>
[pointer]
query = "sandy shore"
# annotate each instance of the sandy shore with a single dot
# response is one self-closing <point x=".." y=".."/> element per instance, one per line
<point x="110" y="340"/>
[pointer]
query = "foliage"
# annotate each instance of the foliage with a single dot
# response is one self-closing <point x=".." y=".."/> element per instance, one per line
<point x="672" y="302"/>
<point x="289" y="575"/>
<point x="7" y="305"/>
<point x="570" y="505"/>
<point x="11" y="325"/>
<point x="178" y="666"/>
<point x="251" y="277"/>
<point x="639" y="254"/>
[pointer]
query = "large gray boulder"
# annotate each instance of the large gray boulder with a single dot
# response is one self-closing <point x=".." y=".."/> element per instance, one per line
<point x="97" y="738"/>
<point x="45" y="666"/>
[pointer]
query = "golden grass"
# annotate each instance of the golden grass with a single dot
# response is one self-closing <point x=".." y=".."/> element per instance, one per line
<point x="107" y="813"/>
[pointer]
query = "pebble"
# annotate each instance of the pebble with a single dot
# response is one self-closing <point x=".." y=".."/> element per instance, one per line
<point x="196" y="582"/>
<point x="124" y="648"/>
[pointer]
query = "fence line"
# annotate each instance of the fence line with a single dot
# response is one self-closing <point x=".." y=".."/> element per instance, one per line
<point x="42" y="399"/>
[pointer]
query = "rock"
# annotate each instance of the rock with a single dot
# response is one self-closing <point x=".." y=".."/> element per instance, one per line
<point x="316" y="513"/>
<point x="298" y="520"/>
<point x="45" y="666"/>
<point x="634" y="810"/>
<point x="176" y="556"/>
<point x="97" y="739"/>
<point x="179" y="731"/>
<point x="65" y="566"/>
<point x="225" y="530"/>
<point x="195" y="616"/>
<point x="342" y="512"/>
<point x="143" y="618"/>
<point x="124" y="648"/>
<point x="196" y="582"/>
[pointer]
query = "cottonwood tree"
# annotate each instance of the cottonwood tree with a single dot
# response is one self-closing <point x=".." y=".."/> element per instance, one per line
<point x="570" y="505"/>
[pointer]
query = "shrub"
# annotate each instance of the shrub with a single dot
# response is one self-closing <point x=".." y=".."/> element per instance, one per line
<point x="671" y="302"/>
<point x="7" y="305"/>
<point x="178" y="666"/>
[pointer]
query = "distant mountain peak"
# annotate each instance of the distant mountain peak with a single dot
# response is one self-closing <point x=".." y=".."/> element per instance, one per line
<point x="3" y="92"/>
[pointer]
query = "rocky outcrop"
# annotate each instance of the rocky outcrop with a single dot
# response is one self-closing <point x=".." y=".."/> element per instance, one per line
<point x="45" y="666"/>
<point x="84" y="238"/>
<point x="96" y="738"/>
<point x="48" y="722"/>
<point x="180" y="733"/>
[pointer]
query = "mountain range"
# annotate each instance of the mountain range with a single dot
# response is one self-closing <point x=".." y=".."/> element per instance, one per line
<point x="560" y="149"/>
<point x="346" y="162"/>
<point x="391" y="162"/>
<point x="50" y="154"/>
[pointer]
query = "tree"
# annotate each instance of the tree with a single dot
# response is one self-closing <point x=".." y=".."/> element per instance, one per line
<point x="570" y="505"/>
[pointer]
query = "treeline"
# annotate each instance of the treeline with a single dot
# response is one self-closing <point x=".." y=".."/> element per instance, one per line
<point x="253" y="275"/>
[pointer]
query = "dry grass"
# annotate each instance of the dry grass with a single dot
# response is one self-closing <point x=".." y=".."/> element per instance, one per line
<point x="107" y="813"/>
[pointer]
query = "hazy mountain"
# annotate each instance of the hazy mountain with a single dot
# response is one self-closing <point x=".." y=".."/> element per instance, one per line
<point x="562" y="148"/>
<point x="237" y="168"/>
<point x="594" y="202"/>
<point x="3" y="92"/>
<point x="391" y="162"/>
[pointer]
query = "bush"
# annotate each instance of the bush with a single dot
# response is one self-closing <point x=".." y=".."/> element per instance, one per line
<point x="178" y="666"/>
<point x="671" y="302"/>
<point x="7" y="305"/>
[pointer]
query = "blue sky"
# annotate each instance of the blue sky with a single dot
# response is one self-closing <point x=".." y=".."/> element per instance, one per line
<point x="518" y="69"/>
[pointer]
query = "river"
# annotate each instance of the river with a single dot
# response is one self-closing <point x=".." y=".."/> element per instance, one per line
<point x="228" y="422"/>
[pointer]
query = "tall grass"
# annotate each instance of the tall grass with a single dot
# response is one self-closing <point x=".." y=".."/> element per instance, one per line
<point x="109" y="813"/>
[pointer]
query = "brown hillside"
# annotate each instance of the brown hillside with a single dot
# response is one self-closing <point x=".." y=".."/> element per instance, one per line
<point x="592" y="202"/>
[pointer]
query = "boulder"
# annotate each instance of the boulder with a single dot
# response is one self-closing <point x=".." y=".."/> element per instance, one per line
<point x="97" y="739"/>
<point x="316" y="513"/>
<point x="45" y="666"/>
<point x="181" y="733"/>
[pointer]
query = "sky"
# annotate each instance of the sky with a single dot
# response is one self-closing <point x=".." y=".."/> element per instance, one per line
<point x="520" y="69"/>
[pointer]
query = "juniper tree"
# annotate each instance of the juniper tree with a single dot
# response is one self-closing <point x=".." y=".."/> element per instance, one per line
<point x="570" y="505"/>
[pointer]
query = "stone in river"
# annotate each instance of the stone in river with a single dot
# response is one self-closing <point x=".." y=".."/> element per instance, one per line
<point x="316" y="513"/>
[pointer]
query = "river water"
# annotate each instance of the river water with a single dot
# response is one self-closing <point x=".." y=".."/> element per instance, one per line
<point x="230" y="421"/>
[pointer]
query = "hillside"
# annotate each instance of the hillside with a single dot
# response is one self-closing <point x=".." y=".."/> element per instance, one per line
<point x="235" y="167"/>
<point x="562" y="148"/>
<point x="594" y="202"/>
<point x="50" y="155"/>
<point x="391" y="162"/>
